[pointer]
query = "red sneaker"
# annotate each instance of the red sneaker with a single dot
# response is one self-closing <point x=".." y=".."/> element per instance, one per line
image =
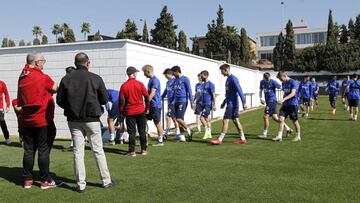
<point x="240" y="142"/>
<point x="28" y="184"/>
<point x="46" y="185"/>
<point x="216" y="142"/>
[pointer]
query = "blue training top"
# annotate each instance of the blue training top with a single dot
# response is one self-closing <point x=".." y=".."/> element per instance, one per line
<point x="154" y="82"/>
<point x="354" y="89"/>
<point x="169" y="91"/>
<point x="333" y="87"/>
<point x="287" y="87"/>
<point x="182" y="90"/>
<point x="113" y="98"/>
<point x="305" y="89"/>
<point x="233" y="91"/>
<point x="269" y="89"/>
<point x="208" y="89"/>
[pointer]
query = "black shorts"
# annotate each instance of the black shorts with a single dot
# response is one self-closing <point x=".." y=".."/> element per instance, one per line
<point x="171" y="111"/>
<point x="306" y="101"/>
<point x="332" y="98"/>
<point x="231" y="113"/>
<point x="198" y="109"/>
<point x="291" y="111"/>
<point x="353" y="102"/>
<point x="154" y="114"/>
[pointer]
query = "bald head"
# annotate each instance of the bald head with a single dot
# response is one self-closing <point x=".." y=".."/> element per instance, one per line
<point x="82" y="59"/>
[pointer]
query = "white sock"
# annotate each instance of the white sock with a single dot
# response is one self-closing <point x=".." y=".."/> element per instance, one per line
<point x="221" y="137"/>
<point x="280" y="134"/>
<point x="355" y="117"/>
<point x="286" y="127"/>
<point x="160" y="139"/>
<point x="188" y="130"/>
<point x="351" y="116"/>
<point x="199" y="128"/>
<point x="112" y="136"/>
<point x="298" y="134"/>
<point x="242" y="136"/>
<point x="72" y="143"/>
<point x="177" y="131"/>
<point x="121" y="136"/>
<point x="265" y="132"/>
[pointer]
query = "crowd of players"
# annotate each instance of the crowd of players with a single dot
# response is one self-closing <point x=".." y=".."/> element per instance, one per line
<point x="82" y="94"/>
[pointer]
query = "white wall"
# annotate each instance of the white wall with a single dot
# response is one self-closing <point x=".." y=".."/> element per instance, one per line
<point x="109" y="60"/>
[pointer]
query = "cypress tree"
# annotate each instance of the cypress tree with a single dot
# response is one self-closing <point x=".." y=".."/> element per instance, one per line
<point x="145" y="36"/>
<point x="182" y="41"/>
<point x="130" y="31"/>
<point x="195" y="46"/>
<point x="351" y="29"/>
<point x="278" y="53"/>
<point x="357" y="28"/>
<point x="344" y="37"/>
<point x="246" y="55"/>
<point x="215" y="45"/>
<point x="289" y="47"/>
<point x="44" y="39"/>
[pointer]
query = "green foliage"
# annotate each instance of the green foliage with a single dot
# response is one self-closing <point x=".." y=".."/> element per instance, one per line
<point x="357" y="28"/>
<point x="164" y="33"/>
<point x="344" y="37"/>
<point x="69" y="36"/>
<point x="36" y="41"/>
<point x="182" y="41"/>
<point x="61" y="39"/>
<point x="195" y="46"/>
<point x="37" y="31"/>
<point x="289" y="47"/>
<point x="97" y="36"/>
<point x="56" y="30"/>
<point x="85" y="29"/>
<point x="44" y="40"/>
<point x="246" y="54"/>
<point x="351" y="29"/>
<point x="278" y="53"/>
<point x="28" y="44"/>
<point x="145" y="35"/>
<point x="130" y="31"/>
<point x="22" y="43"/>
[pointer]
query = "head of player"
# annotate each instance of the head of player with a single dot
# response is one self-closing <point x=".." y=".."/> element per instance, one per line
<point x="168" y="74"/>
<point x="225" y="70"/>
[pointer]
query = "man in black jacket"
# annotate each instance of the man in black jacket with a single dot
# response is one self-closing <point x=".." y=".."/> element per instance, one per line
<point x="81" y="95"/>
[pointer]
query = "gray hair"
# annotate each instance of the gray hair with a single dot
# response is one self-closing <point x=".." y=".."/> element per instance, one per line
<point x="30" y="58"/>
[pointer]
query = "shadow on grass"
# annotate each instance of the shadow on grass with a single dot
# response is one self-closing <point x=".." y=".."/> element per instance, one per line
<point x="327" y="119"/>
<point x="14" y="175"/>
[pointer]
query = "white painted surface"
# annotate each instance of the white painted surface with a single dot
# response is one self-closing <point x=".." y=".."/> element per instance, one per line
<point x="109" y="60"/>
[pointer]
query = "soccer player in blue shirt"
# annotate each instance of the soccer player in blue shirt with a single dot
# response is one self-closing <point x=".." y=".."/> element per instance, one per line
<point x="289" y="105"/>
<point x="233" y="92"/>
<point x="315" y="94"/>
<point x="197" y="101"/>
<point x="333" y="88"/>
<point x="305" y="93"/>
<point x="208" y="102"/>
<point x="182" y="93"/>
<point x="114" y="115"/>
<point x="154" y="113"/>
<point x="269" y="86"/>
<point x="354" y="96"/>
<point x="169" y="94"/>
<point x="344" y="85"/>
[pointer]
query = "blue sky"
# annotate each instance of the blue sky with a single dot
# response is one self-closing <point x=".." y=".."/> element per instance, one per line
<point x="192" y="16"/>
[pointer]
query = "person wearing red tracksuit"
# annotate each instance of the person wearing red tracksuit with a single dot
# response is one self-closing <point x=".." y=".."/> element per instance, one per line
<point x="4" y="91"/>
<point x="131" y="105"/>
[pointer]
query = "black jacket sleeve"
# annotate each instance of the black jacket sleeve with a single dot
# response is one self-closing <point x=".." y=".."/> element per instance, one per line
<point x="61" y="95"/>
<point x="102" y="93"/>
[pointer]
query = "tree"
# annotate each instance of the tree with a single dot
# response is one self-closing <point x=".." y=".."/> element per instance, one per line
<point x="61" y="39"/>
<point x="56" y="30"/>
<point x="22" y="43"/>
<point x="130" y="31"/>
<point x="182" y="41"/>
<point x="145" y="35"/>
<point x="351" y="29"/>
<point x="232" y="43"/>
<point x="97" y="36"/>
<point x="28" y="44"/>
<point x="246" y="54"/>
<point x="195" y="46"/>
<point x="85" y="29"/>
<point x="5" y="42"/>
<point x="36" y="41"/>
<point x="164" y="32"/>
<point x="289" y="47"/>
<point x="37" y="31"/>
<point x="215" y="47"/>
<point x="331" y="39"/>
<point x="12" y="43"/>
<point x="344" y="37"/>
<point x="278" y="53"/>
<point x="357" y="28"/>
<point x="69" y="36"/>
<point x="44" y="39"/>
<point x="64" y="28"/>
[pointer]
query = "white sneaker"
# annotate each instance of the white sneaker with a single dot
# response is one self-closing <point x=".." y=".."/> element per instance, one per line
<point x="277" y="138"/>
<point x="296" y="139"/>
<point x="7" y="141"/>
<point x="207" y="135"/>
<point x="182" y="138"/>
<point x="262" y="136"/>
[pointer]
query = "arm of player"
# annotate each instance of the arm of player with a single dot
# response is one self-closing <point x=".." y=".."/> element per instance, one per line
<point x="103" y="96"/>
<point x="146" y="98"/>
<point x="152" y="93"/>
<point x="291" y="95"/>
<point x="261" y="96"/>
<point x="122" y="100"/>
<point x="241" y="94"/>
<point x="164" y="94"/>
<point x="7" y="98"/>
<point x="189" y="92"/>
<point x="213" y="97"/>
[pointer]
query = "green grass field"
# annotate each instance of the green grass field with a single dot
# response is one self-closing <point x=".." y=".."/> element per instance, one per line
<point x="323" y="167"/>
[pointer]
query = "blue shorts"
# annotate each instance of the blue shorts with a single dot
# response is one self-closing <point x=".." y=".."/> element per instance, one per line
<point x="300" y="101"/>
<point x="231" y="113"/>
<point x="180" y="109"/>
<point x="198" y="109"/>
<point x="315" y="96"/>
<point x="353" y="102"/>
<point x="171" y="110"/>
<point x="114" y="112"/>
<point x="306" y="101"/>
<point x="291" y="111"/>
<point x="154" y="114"/>
<point x="332" y="98"/>
<point x="205" y="110"/>
<point x="270" y="109"/>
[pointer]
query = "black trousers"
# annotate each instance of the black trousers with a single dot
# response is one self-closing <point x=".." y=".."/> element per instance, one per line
<point x="3" y="125"/>
<point x="51" y="134"/>
<point x="131" y="123"/>
<point x="35" y="139"/>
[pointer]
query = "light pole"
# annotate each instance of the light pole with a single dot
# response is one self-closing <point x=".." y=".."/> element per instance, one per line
<point x="282" y="16"/>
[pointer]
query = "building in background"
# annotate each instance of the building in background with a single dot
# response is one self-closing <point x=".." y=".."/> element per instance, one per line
<point x="304" y="37"/>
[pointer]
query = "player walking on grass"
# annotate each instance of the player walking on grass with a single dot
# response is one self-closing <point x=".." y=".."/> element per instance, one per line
<point x="197" y="101"/>
<point x="269" y="86"/>
<point x="305" y="93"/>
<point x="182" y="93"/>
<point x="333" y="88"/>
<point x="344" y="86"/>
<point x="233" y="92"/>
<point x="208" y="102"/>
<point x="354" y="96"/>
<point x="289" y="106"/>
<point x="169" y="94"/>
<point x="315" y="94"/>
<point x="154" y="114"/>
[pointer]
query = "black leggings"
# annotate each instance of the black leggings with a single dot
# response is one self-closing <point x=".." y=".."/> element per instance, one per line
<point x="138" y="120"/>
<point x="4" y="129"/>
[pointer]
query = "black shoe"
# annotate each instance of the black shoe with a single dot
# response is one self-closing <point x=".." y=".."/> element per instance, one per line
<point x="77" y="189"/>
<point x="69" y="149"/>
<point x="113" y="183"/>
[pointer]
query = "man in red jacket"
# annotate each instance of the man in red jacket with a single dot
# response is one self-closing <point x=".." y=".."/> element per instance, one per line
<point x="4" y="91"/>
<point x="131" y="104"/>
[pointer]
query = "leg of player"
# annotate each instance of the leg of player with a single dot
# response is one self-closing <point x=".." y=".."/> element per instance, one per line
<point x="287" y="128"/>
<point x="111" y="127"/>
<point x="184" y="125"/>
<point x="297" y="129"/>
<point x="224" y="130"/>
<point x="198" y="123"/>
<point x="177" y="128"/>
<point x="307" y="109"/>
<point x="239" y="127"/>
<point x="266" y="126"/>
<point x="281" y="129"/>
<point x="121" y="138"/>
<point x="168" y="124"/>
<point x="356" y="110"/>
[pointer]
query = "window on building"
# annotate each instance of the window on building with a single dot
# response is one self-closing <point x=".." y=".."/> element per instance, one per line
<point x="268" y="41"/>
<point x="268" y="56"/>
<point x="311" y="38"/>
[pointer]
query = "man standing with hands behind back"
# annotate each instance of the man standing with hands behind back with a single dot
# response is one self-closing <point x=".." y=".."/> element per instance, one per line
<point x="81" y="95"/>
<point x="4" y="91"/>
